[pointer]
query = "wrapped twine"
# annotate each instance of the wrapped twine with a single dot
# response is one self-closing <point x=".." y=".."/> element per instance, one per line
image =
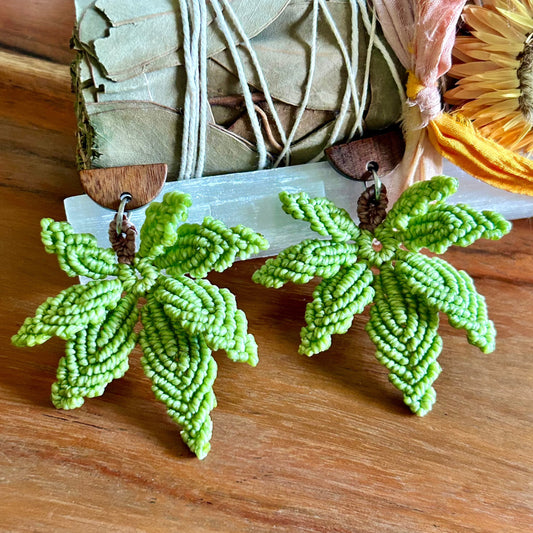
<point x="372" y="210"/>
<point x="123" y="242"/>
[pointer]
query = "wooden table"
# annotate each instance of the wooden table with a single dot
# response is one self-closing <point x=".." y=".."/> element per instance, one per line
<point x="322" y="444"/>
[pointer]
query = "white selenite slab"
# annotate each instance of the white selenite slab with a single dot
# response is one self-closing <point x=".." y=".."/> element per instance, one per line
<point x="251" y="199"/>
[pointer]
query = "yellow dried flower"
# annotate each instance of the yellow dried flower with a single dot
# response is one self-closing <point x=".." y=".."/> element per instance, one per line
<point x="494" y="68"/>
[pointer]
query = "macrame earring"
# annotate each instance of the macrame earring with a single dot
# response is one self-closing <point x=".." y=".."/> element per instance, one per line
<point x="378" y="263"/>
<point x="184" y="317"/>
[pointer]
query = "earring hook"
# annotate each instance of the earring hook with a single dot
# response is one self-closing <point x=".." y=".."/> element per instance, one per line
<point x="125" y="198"/>
<point x="373" y="167"/>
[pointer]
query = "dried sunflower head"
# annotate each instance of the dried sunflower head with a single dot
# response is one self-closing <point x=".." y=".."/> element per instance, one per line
<point x="494" y="68"/>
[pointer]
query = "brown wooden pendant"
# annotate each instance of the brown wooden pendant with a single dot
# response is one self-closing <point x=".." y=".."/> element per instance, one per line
<point x="106" y="185"/>
<point x="352" y="159"/>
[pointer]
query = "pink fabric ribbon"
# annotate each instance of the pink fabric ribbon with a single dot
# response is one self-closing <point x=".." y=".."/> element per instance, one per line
<point x="435" y="28"/>
<point x="422" y="35"/>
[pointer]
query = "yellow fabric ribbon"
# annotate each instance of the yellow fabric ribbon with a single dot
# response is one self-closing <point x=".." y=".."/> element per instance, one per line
<point x="413" y="87"/>
<point x="459" y="141"/>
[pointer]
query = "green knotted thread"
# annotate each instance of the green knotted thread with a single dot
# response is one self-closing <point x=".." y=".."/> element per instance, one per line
<point x="336" y="301"/>
<point x="69" y="312"/>
<point x="304" y="261"/>
<point x="184" y="320"/>
<point x="203" y="308"/>
<point x="96" y="355"/>
<point x="405" y="332"/>
<point x="77" y="253"/>
<point x="408" y="289"/>
<point x="184" y="385"/>
<point x="209" y="246"/>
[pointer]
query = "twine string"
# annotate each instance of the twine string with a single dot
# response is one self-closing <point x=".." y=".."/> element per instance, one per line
<point x="195" y="105"/>
<point x="257" y="65"/>
<point x="232" y="47"/>
<point x="308" y="85"/>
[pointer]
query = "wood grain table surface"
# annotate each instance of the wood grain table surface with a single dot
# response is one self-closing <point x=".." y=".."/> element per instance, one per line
<point x="320" y="444"/>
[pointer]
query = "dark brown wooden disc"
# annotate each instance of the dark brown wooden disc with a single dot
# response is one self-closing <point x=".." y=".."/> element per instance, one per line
<point x="352" y="159"/>
<point x="142" y="182"/>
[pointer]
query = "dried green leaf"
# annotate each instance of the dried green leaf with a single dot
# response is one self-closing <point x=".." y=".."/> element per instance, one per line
<point x="283" y="53"/>
<point x="131" y="49"/>
<point x="135" y="133"/>
<point x="92" y="25"/>
<point x="119" y="13"/>
<point x="385" y="106"/>
<point x="136" y="58"/>
<point x="165" y="87"/>
<point x="314" y="144"/>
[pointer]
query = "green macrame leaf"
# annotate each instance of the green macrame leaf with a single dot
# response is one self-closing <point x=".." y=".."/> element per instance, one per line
<point x="325" y="217"/>
<point x="201" y="308"/>
<point x="159" y="230"/>
<point x="69" y="312"/>
<point x="201" y="248"/>
<point x="404" y="330"/>
<point x="302" y="262"/>
<point x="445" y="225"/>
<point x="418" y="199"/>
<point x="182" y="371"/>
<point x="335" y="302"/>
<point x="232" y="336"/>
<point x="78" y="253"/>
<point x="96" y="355"/>
<point x="451" y="291"/>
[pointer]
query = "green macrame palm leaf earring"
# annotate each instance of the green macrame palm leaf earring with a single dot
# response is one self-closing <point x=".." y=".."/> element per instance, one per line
<point x="381" y="265"/>
<point x="183" y="320"/>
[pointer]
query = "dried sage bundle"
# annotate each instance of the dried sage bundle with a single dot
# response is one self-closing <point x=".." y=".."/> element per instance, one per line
<point x="130" y="80"/>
